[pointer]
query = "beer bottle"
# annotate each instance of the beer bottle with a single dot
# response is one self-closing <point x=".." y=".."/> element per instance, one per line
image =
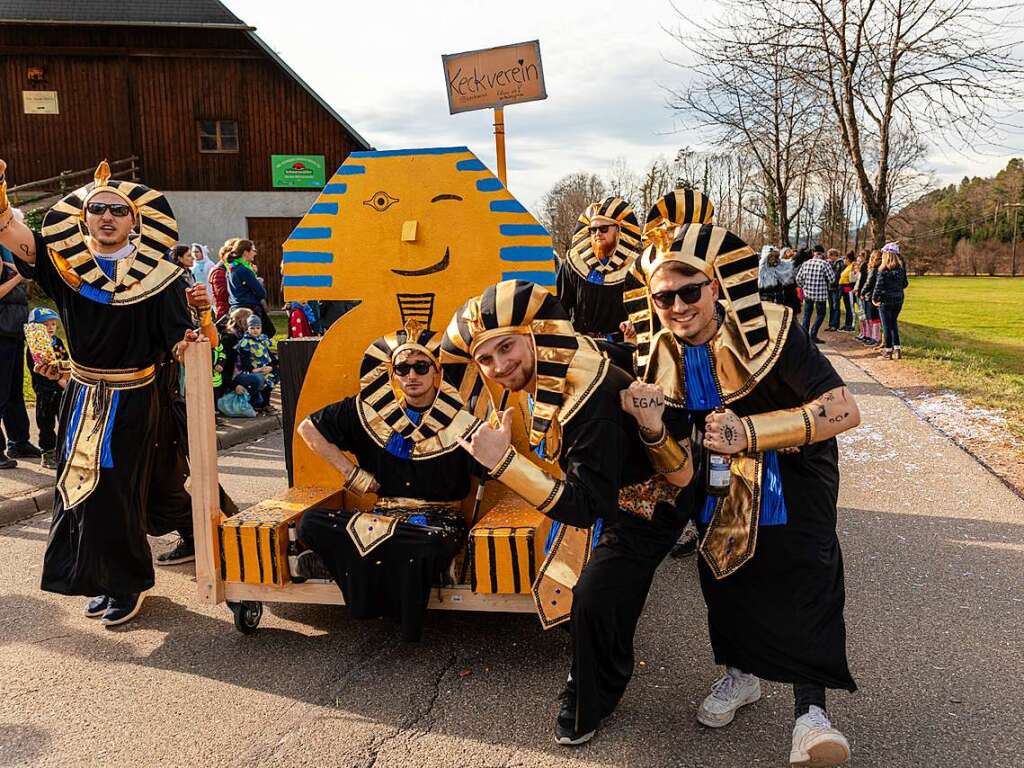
<point x="718" y="474"/>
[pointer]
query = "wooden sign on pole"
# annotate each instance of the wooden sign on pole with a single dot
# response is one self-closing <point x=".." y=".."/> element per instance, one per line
<point x="491" y="78"/>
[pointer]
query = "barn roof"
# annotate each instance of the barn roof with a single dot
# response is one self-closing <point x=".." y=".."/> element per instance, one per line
<point x="180" y="13"/>
<point x="153" y="13"/>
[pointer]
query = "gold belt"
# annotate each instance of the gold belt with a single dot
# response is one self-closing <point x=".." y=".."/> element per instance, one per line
<point x="113" y="378"/>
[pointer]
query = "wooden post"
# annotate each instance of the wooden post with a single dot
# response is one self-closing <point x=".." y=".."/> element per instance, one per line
<point x="499" y="143"/>
<point x="202" y="451"/>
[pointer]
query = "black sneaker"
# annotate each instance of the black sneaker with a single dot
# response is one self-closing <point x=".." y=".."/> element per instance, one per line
<point x="309" y="565"/>
<point x="6" y="463"/>
<point x="24" y="451"/>
<point x="565" y="725"/>
<point x="97" y="606"/>
<point x="686" y="545"/>
<point x="184" y="552"/>
<point x="49" y="460"/>
<point x="122" y="608"/>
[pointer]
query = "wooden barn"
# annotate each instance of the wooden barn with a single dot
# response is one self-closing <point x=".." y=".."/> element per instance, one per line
<point x="182" y="95"/>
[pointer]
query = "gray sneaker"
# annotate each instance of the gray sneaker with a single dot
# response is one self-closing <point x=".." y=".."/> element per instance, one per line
<point x="733" y="690"/>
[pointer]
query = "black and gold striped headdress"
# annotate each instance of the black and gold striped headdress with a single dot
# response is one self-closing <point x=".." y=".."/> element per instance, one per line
<point x="581" y="256"/>
<point x="514" y="307"/>
<point x="720" y="255"/>
<point x="381" y="404"/>
<point x="680" y="206"/>
<point x="146" y="272"/>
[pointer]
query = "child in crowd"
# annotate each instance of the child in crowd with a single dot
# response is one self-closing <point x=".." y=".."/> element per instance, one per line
<point x="301" y="320"/>
<point x="256" y="364"/>
<point x="48" y="392"/>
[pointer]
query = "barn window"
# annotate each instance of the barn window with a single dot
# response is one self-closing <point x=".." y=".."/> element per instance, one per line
<point x="218" y="136"/>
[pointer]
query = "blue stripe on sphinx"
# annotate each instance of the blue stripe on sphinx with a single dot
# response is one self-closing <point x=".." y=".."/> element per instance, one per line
<point x="526" y="253"/>
<point x="336" y="188"/>
<point x="409" y="152"/>
<point x="507" y="206"/>
<point x="522" y="230"/>
<point x="350" y="170"/>
<point x="307" y="257"/>
<point x="307" y="281"/>
<point x="472" y="164"/>
<point x="489" y="185"/>
<point x="310" y="233"/>
<point x="540" y="278"/>
<point x="328" y="208"/>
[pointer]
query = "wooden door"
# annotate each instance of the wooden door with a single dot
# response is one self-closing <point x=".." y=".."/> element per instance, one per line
<point x="269" y="234"/>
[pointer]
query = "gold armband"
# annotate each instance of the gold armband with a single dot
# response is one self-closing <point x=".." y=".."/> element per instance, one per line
<point x="666" y="454"/>
<point x="5" y="205"/>
<point x="359" y="481"/>
<point x="788" y="428"/>
<point x="532" y="483"/>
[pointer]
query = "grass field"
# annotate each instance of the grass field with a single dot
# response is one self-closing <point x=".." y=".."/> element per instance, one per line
<point x="966" y="334"/>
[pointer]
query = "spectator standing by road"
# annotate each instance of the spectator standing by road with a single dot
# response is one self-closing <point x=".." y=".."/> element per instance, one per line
<point x="887" y="295"/>
<point x="814" y="279"/>
<point x="13" y="316"/>
<point x="834" y="262"/>
<point x="874" y="320"/>
<point x="846" y="277"/>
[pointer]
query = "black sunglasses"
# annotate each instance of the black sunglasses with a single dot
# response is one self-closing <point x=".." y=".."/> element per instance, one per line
<point x="116" y="209"/>
<point x="690" y="294"/>
<point x="422" y="368"/>
<point x="602" y="228"/>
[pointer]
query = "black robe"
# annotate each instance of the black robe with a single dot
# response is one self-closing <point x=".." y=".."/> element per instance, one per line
<point x="602" y="453"/>
<point x="780" y="616"/>
<point x="99" y="547"/>
<point x="595" y="310"/>
<point x="394" y="579"/>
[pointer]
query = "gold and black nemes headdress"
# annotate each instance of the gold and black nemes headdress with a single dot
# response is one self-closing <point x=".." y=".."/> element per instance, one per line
<point x="581" y="256"/>
<point x="381" y="405"/>
<point x="680" y="206"/>
<point x="144" y="273"/>
<point x="568" y="366"/>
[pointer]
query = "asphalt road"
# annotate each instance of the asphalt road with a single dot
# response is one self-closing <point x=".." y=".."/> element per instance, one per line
<point x="934" y="549"/>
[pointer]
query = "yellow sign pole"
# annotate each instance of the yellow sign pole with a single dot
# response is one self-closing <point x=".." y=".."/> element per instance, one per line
<point x="499" y="143"/>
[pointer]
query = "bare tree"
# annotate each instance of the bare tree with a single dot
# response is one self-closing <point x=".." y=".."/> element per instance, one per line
<point x="621" y="180"/>
<point x="562" y="205"/>
<point x="891" y="66"/>
<point x="746" y="97"/>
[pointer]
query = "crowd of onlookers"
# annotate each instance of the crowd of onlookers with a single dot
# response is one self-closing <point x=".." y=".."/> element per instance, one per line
<point x="245" y="363"/>
<point x="859" y="292"/>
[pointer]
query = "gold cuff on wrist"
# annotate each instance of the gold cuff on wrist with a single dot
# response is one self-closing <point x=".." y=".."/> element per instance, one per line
<point x="788" y="428"/>
<point x="529" y="481"/>
<point x="359" y="481"/>
<point x="5" y="204"/>
<point x="666" y="455"/>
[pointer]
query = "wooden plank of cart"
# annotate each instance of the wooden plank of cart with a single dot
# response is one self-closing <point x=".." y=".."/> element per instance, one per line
<point x="548" y="591"/>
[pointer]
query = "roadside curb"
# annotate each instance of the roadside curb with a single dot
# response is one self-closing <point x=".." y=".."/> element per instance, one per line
<point x="228" y="436"/>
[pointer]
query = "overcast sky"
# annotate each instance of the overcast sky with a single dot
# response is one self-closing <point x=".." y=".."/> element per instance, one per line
<point x="606" y="66"/>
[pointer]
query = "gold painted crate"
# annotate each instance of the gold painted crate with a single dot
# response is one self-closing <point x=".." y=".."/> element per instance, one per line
<point x="254" y="543"/>
<point x="506" y="547"/>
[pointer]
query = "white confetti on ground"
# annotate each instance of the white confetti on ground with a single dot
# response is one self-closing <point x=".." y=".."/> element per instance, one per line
<point x="961" y="420"/>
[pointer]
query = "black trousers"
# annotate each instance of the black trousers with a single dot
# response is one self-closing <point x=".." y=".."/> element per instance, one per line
<point x="47" y="409"/>
<point x="606" y="606"/>
<point x="12" y="397"/>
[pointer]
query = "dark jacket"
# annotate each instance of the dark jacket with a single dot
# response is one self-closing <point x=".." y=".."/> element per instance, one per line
<point x="889" y="285"/>
<point x="244" y="288"/>
<point x="869" y="284"/>
<point x="14" y="304"/>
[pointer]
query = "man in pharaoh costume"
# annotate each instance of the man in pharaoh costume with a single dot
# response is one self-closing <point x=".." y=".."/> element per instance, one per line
<point x="760" y="393"/>
<point x="515" y="338"/>
<point x="590" y="279"/>
<point x="101" y="257"/>
<point x="402" y="429"/>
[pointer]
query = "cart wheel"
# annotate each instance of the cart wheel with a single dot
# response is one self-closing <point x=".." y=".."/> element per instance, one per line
<point x="247" y="616"/>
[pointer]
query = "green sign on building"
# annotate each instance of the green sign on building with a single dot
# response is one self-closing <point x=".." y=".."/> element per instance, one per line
<point x="298" y="171"/>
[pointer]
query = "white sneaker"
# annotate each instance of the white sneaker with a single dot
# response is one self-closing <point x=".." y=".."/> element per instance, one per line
<point x="816" y="744"/>
<point x="730" y="692"/>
